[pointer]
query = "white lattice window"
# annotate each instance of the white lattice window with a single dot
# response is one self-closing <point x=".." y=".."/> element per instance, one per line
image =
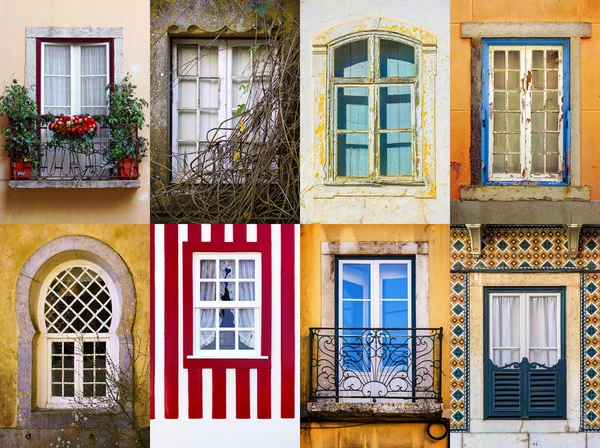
<point x="227" y="305"/>
<point x="213" y="81"/>
<point x="78" y="313"/>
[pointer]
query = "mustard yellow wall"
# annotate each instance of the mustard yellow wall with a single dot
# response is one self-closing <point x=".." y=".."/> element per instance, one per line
<point x="460" y="75"/>
<point x="119" y="206"/>
<point x="372" y="435"/>
<point x="18" y="243"/>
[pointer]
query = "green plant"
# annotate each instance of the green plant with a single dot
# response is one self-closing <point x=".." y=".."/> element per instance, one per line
<point x="21" y="134"/>
<point x="125" y="118"/>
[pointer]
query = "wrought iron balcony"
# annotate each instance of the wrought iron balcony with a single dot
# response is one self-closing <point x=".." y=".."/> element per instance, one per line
<point x="66" y="165"/>
<point x="375" y="364"/>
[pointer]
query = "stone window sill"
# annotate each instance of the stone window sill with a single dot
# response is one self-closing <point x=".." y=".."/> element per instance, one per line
<point x="383" y="411"/>
<point x="523" y="193"/>
<point x="50" y="184"/>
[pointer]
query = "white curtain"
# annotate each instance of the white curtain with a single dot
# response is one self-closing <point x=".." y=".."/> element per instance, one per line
<point x="207" y="293"/>
<point x="543" y="337"/>
<point x="246" y="294"/>
<point x="506" y="329"/>
<point x="94" y="79"/>
<point x="57" y="79"/>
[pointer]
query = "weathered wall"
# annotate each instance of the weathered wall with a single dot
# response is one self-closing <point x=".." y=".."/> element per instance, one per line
<point x="383" y="204"/>
<point x="17" y="244"/>
<point x="124" y="206"/>
<point x="460" y="62"/>
<point x="385" y="435"/>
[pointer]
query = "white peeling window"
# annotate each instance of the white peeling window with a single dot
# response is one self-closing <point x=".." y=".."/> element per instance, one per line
<point x="227" y="305"/>
<point x="78" y="342"/>
<point x="526" y="110"/>
<point x="375" y="97"/>
<point x="213" y="82"/>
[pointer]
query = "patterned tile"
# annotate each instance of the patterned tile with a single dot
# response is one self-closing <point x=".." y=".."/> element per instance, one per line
<point x="459" y="351"/>
<point x="590" y="366"/>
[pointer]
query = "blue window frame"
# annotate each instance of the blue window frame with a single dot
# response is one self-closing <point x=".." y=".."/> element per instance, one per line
<point x="525" y="111"/>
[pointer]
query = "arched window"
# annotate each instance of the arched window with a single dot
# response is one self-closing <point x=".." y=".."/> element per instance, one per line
<point x="78" y="314"/>
<point x="374" y="86"/>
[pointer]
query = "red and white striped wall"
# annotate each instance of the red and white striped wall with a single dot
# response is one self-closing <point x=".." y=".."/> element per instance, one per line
<point x="224" y="403"/>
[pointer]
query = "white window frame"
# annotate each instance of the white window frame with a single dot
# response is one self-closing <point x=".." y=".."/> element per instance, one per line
<point x="226" y="109"/>
<point x="524" y="320"/>
<point x="256" y="305"/>
<point x="373" y="81"/>
<point x="375" y="290"/>
<point x="44" y="352"/>
<point x="75" y="57"/>
<point x="526" y="61"/>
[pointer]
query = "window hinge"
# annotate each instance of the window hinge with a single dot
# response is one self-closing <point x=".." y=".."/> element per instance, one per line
<point x="483" y="122"/>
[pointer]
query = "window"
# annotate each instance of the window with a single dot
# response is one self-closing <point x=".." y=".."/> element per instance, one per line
<point x="376" y="96"/>
<point x="213" y="82"/>
<point x="227" y="305"/>
<point x="78" y="320"/>
<point x="526" y="102"/>
<point x="525" y="366"/>
<point x="74" y="77"/>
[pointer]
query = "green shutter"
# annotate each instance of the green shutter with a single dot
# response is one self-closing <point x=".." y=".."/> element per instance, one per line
<point x="525" y="391"/>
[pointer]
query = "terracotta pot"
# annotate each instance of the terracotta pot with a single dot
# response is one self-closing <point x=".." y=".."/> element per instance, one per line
<point x="22" y="170"/>
<point x="128" y="169"/>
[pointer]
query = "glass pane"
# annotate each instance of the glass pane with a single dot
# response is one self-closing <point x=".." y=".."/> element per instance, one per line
<point x="552" y="59"/>
<point x="246" y="340"/>
<point x="393" y="281"/>
<point x="552" y="79"/>
<point x="551" y="162"/>
<point x="537" y="143"/>
<point x="227" y="340"/>
<point x="395" y="154"/>
<point x="241" y="61"/>
<point x="499" y="59"/>
<point x="351" y="60"/>
<point x="209" y="122"/>
<point x="246" y="318"/>
<point x="207" y="340"/>
<point x="394" y="314"/>
<point x="247" y="269"/>
<point x="353" y="155"/>
<point x="499" y="122"/>
<point x="551" y="100"/>
<point x="537" y="122"/>
<point x="513" y="122"/>
<point x="187" y="126"/>
<point x="93" y="91"/>
<point x="552" y="122"/>
<point x="227" y="319"/>
<point x="395" y="107"/>
<point x="499" y="163"/>
<point x="187" y="56"/>
<point x="356" y="281"/>
<point x="500" y="143"/>
<point x="356" y="314"/>
<point x="207" y="291"/>
<point x="537" y="163"/>
<point x="499" y="101"/>
<point x="397" y="59"/>
<point x="513" y="80"/>
<point x="537" y="79"/>
<point x="93" y="60"/>
<point x="247" y="291"/>
<point x="207" y="268"/>
<point x="206" y="318"/>
<point x="552" y="143"/>
<point x="227" y="291"/>
<point x="543" y="322"/>
<point x="538" y="59"/>
<point x="514" y="101"/>
<point x="499" y="80"/>
<point x="352" y="108"/>
<point x="514" y="142"/>
<point x="57" y="91"/>
<point x="227" y="269"/>
<point x="513" y="163"/>
<point x="209" y="93"/>
<point x="505" y="328"/>
<point x="537" y="100"/>
<point x="209" y="61"/>
<point x="57" y="59"/>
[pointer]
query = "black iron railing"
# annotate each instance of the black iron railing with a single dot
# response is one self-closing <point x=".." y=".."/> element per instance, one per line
<point x="375" y="363"/>
<point x="65" y="162"/>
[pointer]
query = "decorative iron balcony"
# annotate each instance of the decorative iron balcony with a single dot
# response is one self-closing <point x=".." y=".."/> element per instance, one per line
<point x="358" y="364"/>
<point x="66" y="162"/>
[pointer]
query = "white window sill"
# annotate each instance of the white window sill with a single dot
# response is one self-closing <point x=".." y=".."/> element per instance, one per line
<point x="220" y="356"/>
<point x="373" y="183"/>
<point x="523" y="193"/>
<point x="385" y="410"/>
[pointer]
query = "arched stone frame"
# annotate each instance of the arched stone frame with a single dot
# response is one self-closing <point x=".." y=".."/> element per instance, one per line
<point x="316" y="181"/>
<point x="29" y="284"/>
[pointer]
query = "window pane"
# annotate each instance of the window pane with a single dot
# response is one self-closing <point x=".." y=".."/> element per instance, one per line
<point x="393" y="280"/>
<point x="241" y="61"/>
<point x="351" y="60"/>
<point x="227" y="319"/>
<point x="227" y="269"/>
<point x="247" y="291"/>
<point x="227" y="340"/>
<point x="207" y="269"/>
<point x="207" y="318"/>
<point x="209" y="61"/>
<point x="93" y="92"/>
<point x="227" y="291"/>
<point x="187" y="60"/>
<point x="207" y="291"/>
<point x="395" y="154"/>
<point x="208" y="94"/>
<point x="353" y="155"/>
<point x="246" y="340"/>
<point x="538" y="59"/>
<point x="209" y="122"/>
<point x="356" y="281"/>
<point x="246" y="318"/>
<point x="57" y="94"/>
<point x="397" y="59"/>
<point x="499" y="60"/>
<point x="395" y="107"/>
<point x="352" y="108"/>
<point x="57" y="59"/>
<point x="356" y="314"/>
<point x="247" y="269"/>
<point x="187" y="126"/>
<point x="394" y="314"/>
<point x="543" y="331"/>
<point x="505" y="328"/>
<point x="207" y="340"/>
<point x="93" y="60"/>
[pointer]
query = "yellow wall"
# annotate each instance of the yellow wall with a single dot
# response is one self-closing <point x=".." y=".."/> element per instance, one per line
<point x="460" y="75"/>
<point x="122" y="206"/>
<point x="371" y="435"/>
<point x="18" y="243"/>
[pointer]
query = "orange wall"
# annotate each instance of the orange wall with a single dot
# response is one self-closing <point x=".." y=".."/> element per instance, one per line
<point x="460" y="80"/>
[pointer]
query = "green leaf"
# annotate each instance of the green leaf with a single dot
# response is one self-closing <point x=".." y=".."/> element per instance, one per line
<point x="240" y="109"/>
<point x="260" y="9"/>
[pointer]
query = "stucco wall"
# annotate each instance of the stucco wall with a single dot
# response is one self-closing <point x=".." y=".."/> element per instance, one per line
<point x="388" y="204"/>
<point x="460" y="57"/>
<point x="17" y="244"/>
<point x="123" y="206"/>
<point x="311" y="311"/>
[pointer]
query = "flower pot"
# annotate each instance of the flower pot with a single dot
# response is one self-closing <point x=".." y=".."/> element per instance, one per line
<point x="128" y="169"/>
<point x="21" y="170"/>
